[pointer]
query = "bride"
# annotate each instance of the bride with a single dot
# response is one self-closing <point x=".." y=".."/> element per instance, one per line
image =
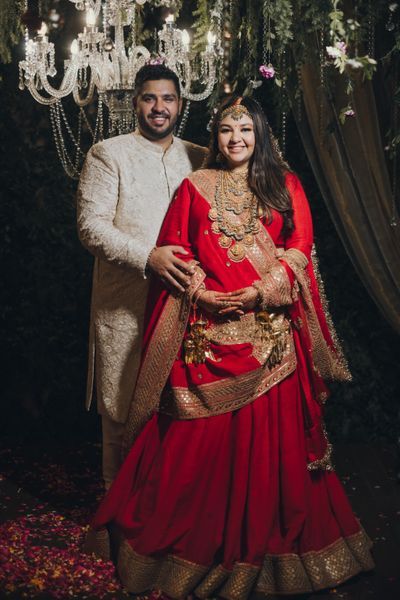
<point x="227" y="488"/>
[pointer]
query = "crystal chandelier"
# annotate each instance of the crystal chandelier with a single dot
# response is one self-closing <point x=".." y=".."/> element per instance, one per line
<point x="102" y="69"/>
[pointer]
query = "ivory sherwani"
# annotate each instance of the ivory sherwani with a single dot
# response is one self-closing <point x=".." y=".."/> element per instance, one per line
<point x="125" y="189"/>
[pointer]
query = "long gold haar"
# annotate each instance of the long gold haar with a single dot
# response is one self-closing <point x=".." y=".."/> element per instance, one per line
<point x="234" y="213"/>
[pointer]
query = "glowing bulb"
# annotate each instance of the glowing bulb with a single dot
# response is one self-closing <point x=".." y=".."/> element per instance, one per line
<point x="90" y="18"/>
<point x="43" y="29"/>
<point x="74" y="47"/>
<point x="170" y="19"/>
<point x="185" y="39"/>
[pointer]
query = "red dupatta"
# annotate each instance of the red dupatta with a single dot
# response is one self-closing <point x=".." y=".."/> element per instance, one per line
<point x="287" y="275"/>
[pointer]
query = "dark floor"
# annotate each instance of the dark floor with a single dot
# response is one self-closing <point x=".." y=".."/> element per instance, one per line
<point x="48" y="493"/>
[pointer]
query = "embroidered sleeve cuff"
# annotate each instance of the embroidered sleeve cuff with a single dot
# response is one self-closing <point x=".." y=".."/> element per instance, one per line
<point x="196" y="282"/>
<point x="274" y="289"/>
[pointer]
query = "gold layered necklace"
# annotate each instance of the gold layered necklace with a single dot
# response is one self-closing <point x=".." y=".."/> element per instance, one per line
<point x="234" y="213"/>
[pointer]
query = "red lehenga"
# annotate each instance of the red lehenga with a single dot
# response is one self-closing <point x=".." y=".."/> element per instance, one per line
<point x="227" y="488"/>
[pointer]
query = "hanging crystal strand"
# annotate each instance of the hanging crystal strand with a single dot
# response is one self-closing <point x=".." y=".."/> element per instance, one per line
<point x="356" y="33"/>
<point x="100" y="117"/>
<point x="266" y="48"/>
<point x="184" y="119"/>
<point x="395" y="121"/>
<point x="226" y="46"/>
<point x="84" y="81"/>
<point x="78" y="147"/>
<point x="322" y="85"/>
<point x="393" y="221"/>
<point x="55" y="120"/>
<point x="97" y="134"/>
<point x="248" y="61"/>
<point x="230" y="10"/>
<point x="299" y="93"/>
<point x="217" y="13"/>
<point x="88" y="125"/>
<point x="283" y="103"/>
<point x="22" y="76"/>
<point x="68" y="127"/>
<point x="133" y="25"/>
<point x="106" y="25"/>
<point x="371" y="31"/>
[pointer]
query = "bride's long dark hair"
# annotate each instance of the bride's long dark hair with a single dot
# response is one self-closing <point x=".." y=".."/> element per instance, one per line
<point x="267" y="169"/>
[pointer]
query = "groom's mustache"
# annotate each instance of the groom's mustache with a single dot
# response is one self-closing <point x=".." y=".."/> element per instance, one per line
<point x="159" y="114"/>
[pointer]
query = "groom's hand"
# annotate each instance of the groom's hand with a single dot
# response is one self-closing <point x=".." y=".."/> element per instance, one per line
<point x="173" y="271"/>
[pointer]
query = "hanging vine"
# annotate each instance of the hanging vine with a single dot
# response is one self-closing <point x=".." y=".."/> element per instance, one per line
<point x="10" y="27"/>
<point x="270" y="40"/>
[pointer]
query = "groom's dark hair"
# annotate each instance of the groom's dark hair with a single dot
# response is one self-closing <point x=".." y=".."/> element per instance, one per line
<point x="154" y="72"/>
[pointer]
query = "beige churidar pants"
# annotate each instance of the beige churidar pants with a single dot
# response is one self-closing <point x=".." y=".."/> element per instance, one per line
<point x="112" y="443"/>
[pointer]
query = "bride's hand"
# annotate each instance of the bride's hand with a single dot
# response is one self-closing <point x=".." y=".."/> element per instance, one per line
<point x="248" y="297"/>
<point x="218" y="303"/>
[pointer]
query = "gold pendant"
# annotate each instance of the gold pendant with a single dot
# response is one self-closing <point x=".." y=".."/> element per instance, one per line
<point x="248" y="239"/>
<point x="237" y="252"/>
<point x="224" y="241"/>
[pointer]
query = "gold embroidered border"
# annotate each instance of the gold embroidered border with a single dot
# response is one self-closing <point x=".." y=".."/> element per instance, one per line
<point x="205" y="181"/>
<point x="247" y="330"/>
<point x="279" y="574"/>
<point x="228" y="394"/>
<point x="240" y="582"/>
<point x="316" y="570"/>
<point x="175" y="576"/>
<point x="325" y="307"/>
<point x="158" y="363"/>
<point x="329" y="363"/>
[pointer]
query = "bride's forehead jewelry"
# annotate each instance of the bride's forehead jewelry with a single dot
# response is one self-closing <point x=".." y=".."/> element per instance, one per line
<point x="236" y="111"/>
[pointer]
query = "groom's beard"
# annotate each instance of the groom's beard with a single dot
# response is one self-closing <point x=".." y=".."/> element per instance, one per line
<point x="154" y="132"/>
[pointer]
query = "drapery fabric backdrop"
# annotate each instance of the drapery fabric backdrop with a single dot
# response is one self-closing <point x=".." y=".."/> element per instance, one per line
<point x="349" y="165"/>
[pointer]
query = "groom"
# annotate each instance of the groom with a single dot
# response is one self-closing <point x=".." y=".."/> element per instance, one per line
<point x="125" y="188"/>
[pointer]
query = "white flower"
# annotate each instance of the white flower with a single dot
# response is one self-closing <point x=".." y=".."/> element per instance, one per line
<point x="333" y="52"/>
<point x="354" y="64"/>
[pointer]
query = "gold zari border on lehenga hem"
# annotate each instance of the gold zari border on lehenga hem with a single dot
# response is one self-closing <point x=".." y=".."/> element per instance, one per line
<point x="279" y="574"/>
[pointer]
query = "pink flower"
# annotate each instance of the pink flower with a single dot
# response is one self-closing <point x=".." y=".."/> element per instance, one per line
<point x="267" y="71"/>
<point x="349" y="112"/>
<point x="337" y="50"/>
<point x="156" y="60"/>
